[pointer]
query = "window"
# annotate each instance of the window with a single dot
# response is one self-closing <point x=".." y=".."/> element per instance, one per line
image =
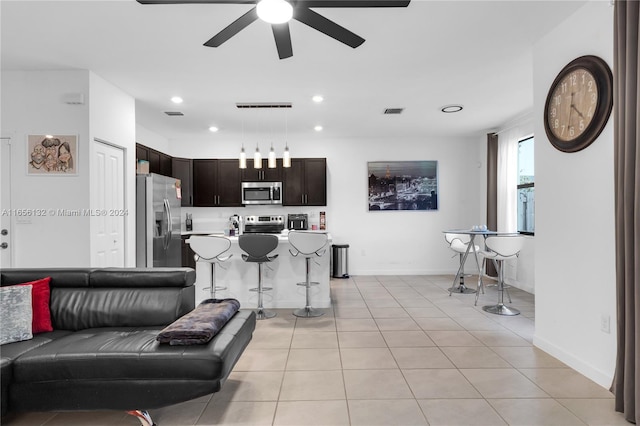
<point x="526" y="188"/>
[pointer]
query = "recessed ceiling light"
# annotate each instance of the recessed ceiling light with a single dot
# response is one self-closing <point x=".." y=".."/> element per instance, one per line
<point x="317" y="99"/>
<point x="213" y="129"/>
<point x="448" y="109"/>
<point x="318" y="128"/>
<point x="176" y="100"/>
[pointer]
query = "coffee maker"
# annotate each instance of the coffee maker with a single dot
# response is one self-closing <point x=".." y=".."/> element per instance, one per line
<point x="298" y="222"/>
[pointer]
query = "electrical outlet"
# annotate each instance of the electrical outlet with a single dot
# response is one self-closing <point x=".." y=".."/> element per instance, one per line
<point x="605" y="323"/>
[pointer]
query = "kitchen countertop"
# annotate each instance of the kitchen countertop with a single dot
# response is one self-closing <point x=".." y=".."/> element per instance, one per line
<point x="283" y="236"/>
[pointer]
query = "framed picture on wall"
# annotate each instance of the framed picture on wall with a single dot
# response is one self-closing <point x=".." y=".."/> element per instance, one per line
<point x="52" y="155"/>
<point x="403" y="185"/>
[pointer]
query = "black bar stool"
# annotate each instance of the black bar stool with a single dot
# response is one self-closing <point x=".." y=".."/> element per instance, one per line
<point x="258" y="247"/>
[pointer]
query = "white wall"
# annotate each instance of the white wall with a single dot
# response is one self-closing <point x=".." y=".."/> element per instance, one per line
<point x="151" y="139"/>
<point x="389" y="243"/>
<point x="32" y="103"/>
<point x="113" y="120"/>
<point x="575" y="256"/>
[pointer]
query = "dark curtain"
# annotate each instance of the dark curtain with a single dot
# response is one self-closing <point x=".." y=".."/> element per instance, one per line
<point x="626" y="382"/>
<point x="492" y="191"/>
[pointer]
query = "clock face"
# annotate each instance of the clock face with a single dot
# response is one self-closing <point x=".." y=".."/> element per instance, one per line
<point x="579" y="103"/>
<point x="572" y="104"/>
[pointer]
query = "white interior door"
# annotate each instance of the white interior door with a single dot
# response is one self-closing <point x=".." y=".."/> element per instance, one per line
<point x="108" y="210"/>
<point x="6" y="231"/>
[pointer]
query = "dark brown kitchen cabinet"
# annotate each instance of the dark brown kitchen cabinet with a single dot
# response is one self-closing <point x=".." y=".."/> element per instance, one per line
<point x="251" y="174"/>
<point x="159" y="162"/>
<point x="216" y="183"/>
<point x="142" y="152"/>
<point x="154" y="161"/>
<point x="181" y="168"/>
<point x="165" y="165"/>
<point x="305" y="182"/>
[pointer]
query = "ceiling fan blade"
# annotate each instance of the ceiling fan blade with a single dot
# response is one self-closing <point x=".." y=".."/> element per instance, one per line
<point x="353" y="3"/>
<point x="283" y="40"/>
<point x="234" y="28"/>
<point x="197" y="1"/>
<point x="326" y="26"/>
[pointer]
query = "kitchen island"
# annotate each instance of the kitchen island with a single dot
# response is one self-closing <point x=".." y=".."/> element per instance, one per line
<point x="282" y="275"/>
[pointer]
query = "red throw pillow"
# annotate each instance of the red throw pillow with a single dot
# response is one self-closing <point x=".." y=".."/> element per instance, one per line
<point x="40" y="303"/>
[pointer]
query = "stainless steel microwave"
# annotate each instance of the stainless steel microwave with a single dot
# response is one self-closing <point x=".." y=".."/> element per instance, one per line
<point x="261" y="192"/>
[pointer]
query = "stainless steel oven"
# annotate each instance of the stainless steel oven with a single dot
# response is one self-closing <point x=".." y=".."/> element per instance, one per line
<point x="261" y="192"/>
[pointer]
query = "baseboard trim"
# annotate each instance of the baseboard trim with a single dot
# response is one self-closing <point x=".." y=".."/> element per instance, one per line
<point x="595" y="374"/>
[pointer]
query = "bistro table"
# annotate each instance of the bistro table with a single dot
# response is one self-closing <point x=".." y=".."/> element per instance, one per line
<point x="461" y="288"/>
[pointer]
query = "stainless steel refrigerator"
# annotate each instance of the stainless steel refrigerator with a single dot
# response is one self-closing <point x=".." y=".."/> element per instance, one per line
<point x="158" y="241"/>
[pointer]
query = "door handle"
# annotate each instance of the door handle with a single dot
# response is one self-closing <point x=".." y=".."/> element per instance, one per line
<point x="4" y="232"/>
<point x="4" y="246"/>
<point x="166" y="239"/>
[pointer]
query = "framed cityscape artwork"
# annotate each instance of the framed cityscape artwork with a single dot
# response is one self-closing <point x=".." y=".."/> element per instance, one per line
<point x="403" y="185"/>
<point x="51" y="155"/>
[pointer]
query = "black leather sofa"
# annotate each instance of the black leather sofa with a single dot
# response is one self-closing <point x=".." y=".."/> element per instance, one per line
<point x="103" y="353"/>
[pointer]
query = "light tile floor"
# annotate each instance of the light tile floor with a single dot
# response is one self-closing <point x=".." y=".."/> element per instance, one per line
<point x="392" y="350"/>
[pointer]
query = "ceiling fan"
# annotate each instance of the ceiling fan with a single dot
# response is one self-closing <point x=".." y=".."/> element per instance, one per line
<point x="299" y="10"/>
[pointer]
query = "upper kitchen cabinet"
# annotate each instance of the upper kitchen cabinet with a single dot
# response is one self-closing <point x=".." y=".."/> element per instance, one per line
<point x="305" y="182"/>
<point x="182" y="168"/>
<point x="250" y="174"/>
<point x="159" y="162"/>
<point x="142" y="152"/>
<point x="216" y="183"/>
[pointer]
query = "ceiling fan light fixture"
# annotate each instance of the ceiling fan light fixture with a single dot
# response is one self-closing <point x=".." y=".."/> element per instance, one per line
<point x="274" y="11"/>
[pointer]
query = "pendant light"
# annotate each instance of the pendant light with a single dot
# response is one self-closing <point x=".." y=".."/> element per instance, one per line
<point x="243" y="158"/>
<point x="271" y="162"/>
<point x="286" y="157"/>
<point x="257" y="159"/>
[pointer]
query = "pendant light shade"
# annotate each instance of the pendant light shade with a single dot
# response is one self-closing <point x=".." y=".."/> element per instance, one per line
<point x="243" y="158"/>
<point x="257" y="159"/>
<point x="271" y="162"/>
<point x="286" y="157"/>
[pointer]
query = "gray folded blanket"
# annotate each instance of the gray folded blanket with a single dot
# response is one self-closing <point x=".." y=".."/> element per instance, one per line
<point x="200" y="325"/>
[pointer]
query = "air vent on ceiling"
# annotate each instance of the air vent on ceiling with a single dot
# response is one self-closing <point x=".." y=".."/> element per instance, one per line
<point x="264" y="105"/>
<point x="174" y="113"/>
<point x="393" y="110"/>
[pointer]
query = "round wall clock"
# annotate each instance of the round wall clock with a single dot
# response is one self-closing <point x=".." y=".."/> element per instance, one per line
<point x="579" y="103"/>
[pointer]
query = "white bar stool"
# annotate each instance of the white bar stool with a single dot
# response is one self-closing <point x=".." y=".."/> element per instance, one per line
<point x="500" y="248"/>
<point x="459" y="243"/>
<point x="258" y="247"/>
<point x="209" y="248"/>
<point x="308" y="244"/>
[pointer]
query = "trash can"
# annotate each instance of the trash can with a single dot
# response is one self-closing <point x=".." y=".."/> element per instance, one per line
<point x="340" y="256"/>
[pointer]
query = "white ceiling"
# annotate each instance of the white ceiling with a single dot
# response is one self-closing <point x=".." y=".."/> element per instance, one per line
<point x="425" y="56"/>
